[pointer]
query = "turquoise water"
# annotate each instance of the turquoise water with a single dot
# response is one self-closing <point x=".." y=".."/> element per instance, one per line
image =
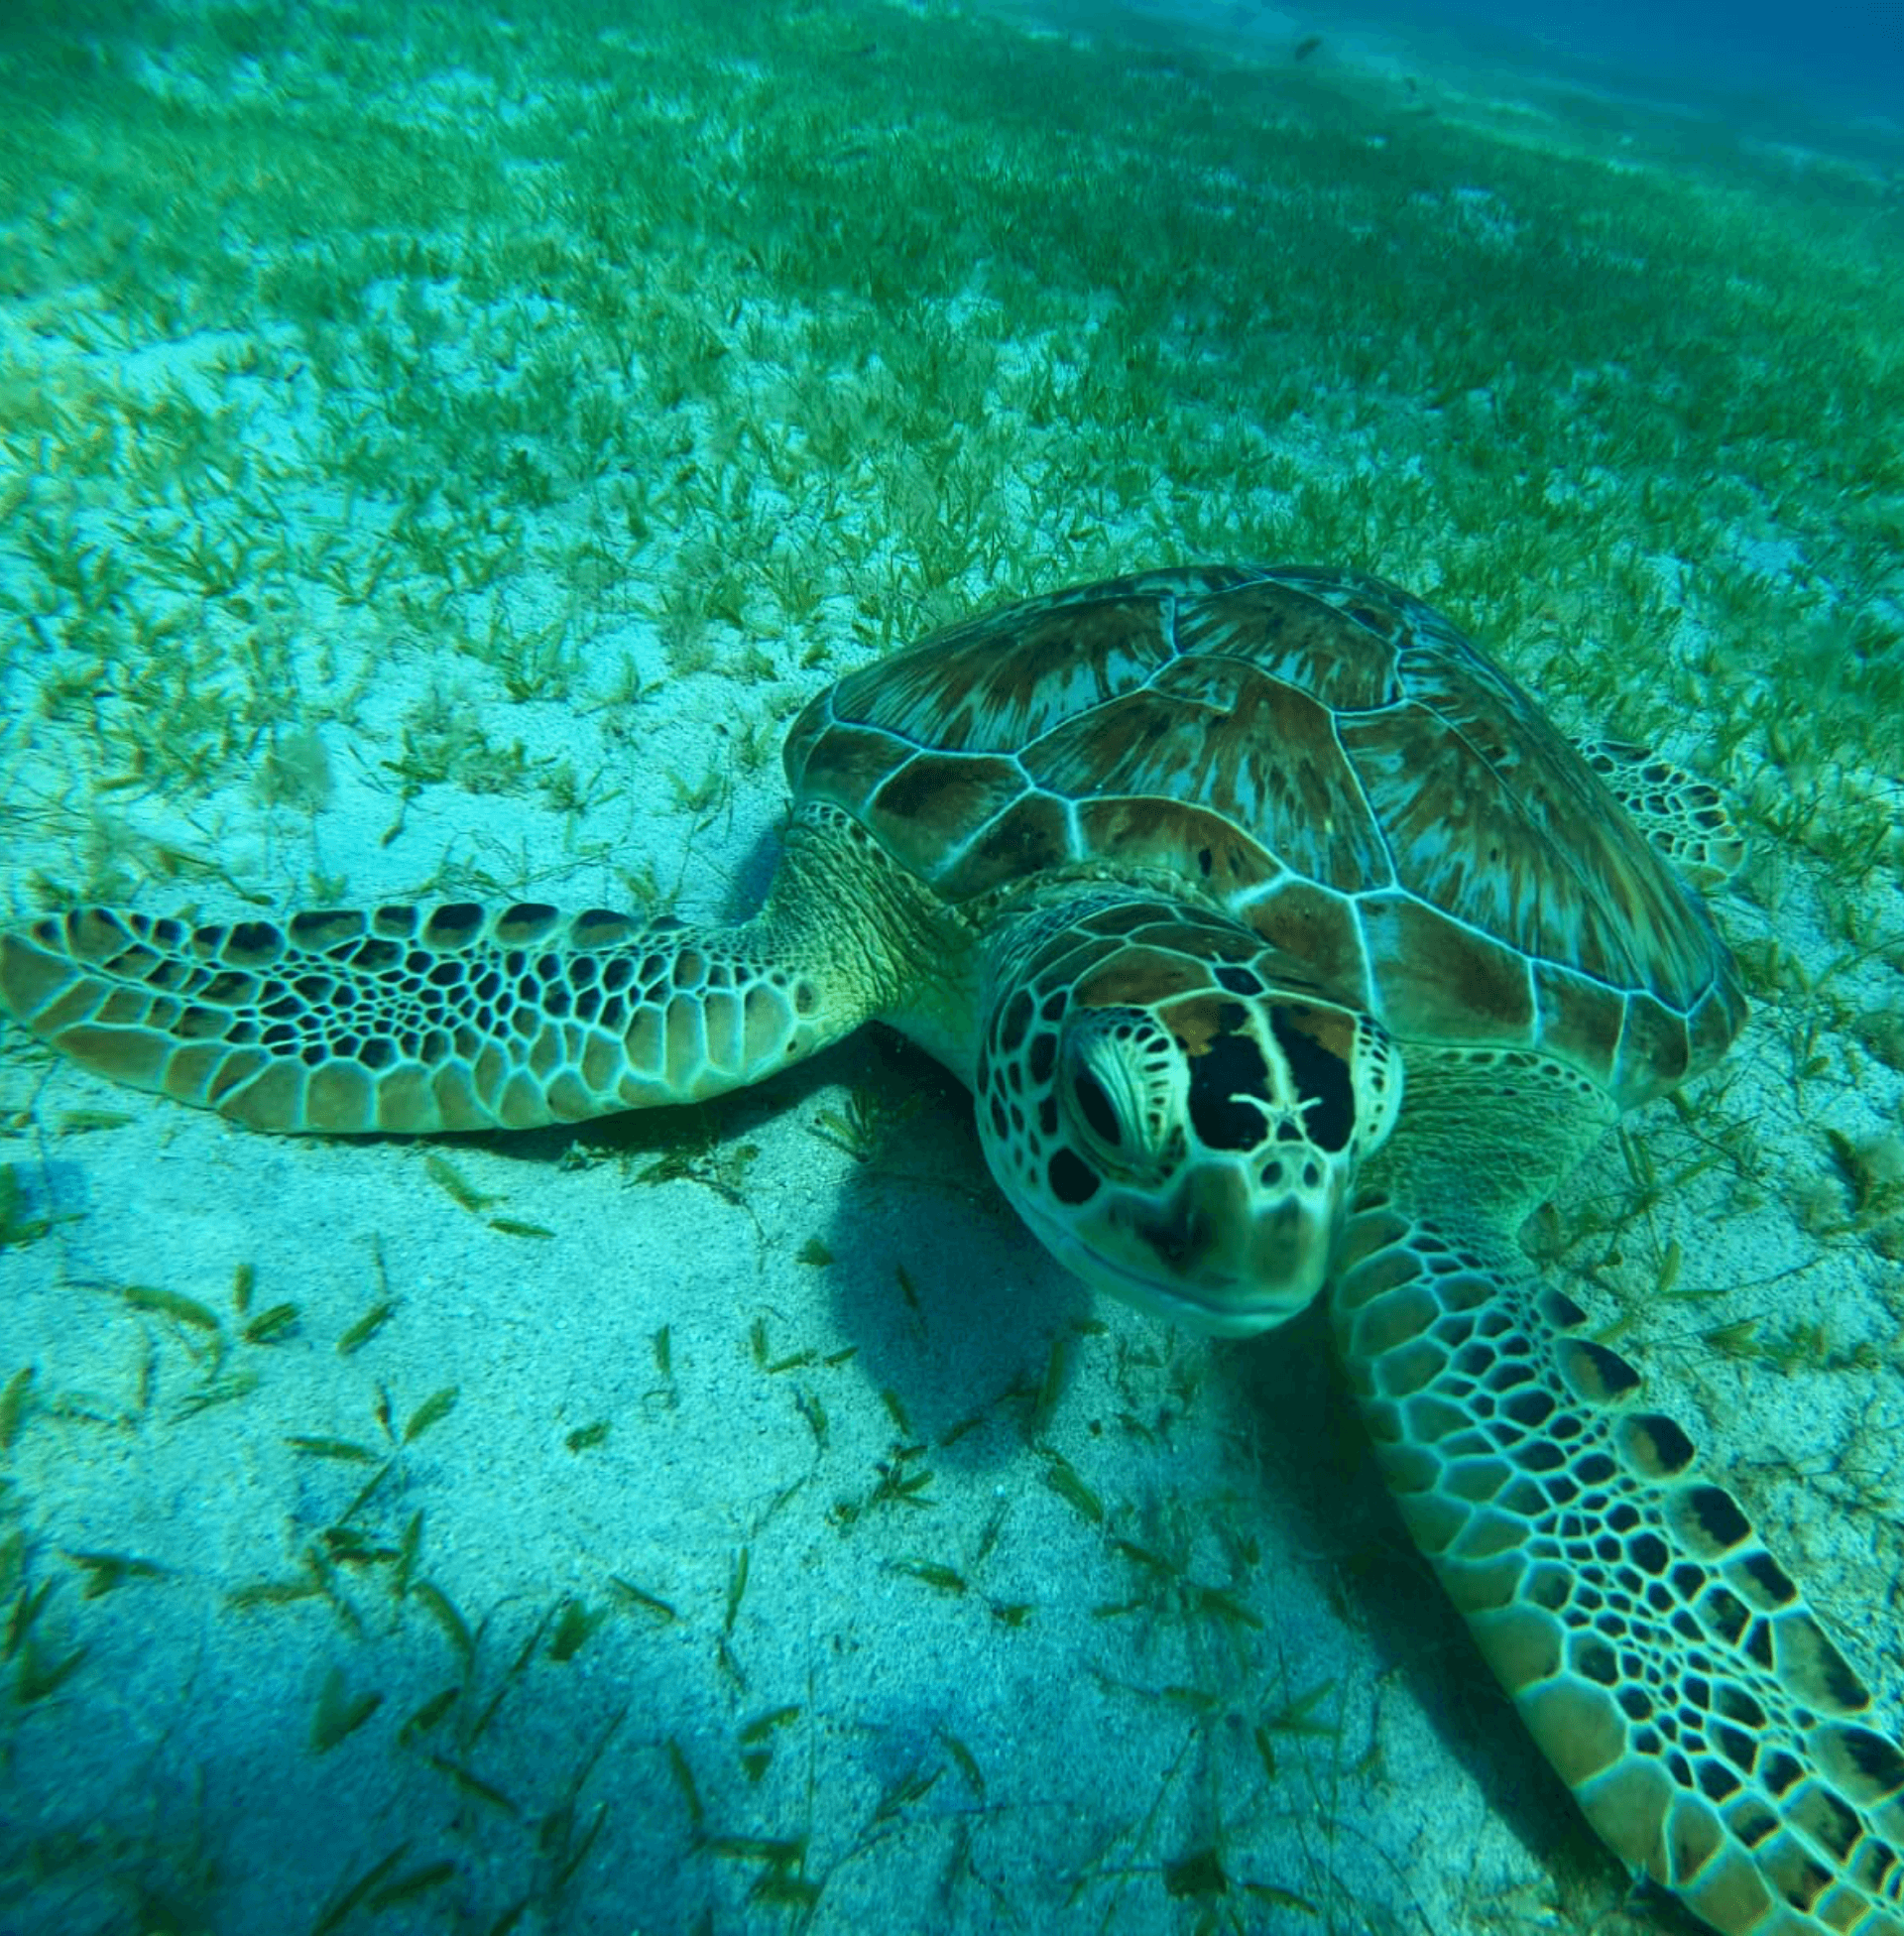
<point x="440" y="453"/>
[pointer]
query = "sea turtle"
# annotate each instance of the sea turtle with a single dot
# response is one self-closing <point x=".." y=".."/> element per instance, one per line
<point x="1284" y="945"/>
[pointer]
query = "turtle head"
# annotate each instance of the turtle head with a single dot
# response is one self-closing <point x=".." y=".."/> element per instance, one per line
<point x="1177" y="1113"/>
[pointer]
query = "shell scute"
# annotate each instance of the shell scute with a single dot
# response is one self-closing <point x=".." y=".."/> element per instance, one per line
<point x="1420" y="953"/>
<point x="1032" y="836"/>
<point x="1278" y="627"/>
<point x="917" y="812"/>
<point x="960" y="693"/>
<point x="1318" y="927"/>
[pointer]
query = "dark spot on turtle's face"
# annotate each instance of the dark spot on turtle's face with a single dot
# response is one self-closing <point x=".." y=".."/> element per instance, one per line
<point x="1231" y="1107"/>
<point x="1073" y="1181"/>
<point x="1206" y="861"/>
<point x="1016" y="1020"/>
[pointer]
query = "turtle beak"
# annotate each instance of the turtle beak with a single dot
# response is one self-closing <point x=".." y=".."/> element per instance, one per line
<point x="1214" y="1251"/>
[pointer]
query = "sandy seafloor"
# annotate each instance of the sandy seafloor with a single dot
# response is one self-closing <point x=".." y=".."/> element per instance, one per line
<point x="740" y="1550"/>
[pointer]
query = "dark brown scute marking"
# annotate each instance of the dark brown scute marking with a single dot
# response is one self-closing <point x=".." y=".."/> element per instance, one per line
<point x="1331" y="1031"/>
<point x="1001" y="680"/>
<point x="196" y="1023"/>
<point x="1287" y="632"/>
<point x="1754" y="1823"/>
<point x="526" y="924"/>
<point x="254" y="944"/>
<point x="1799" y="1879"/>
<point x="1123" y="918"/>
<point x="1015" y="1023"/>
<point x="600" y="927"/>
<point x="1713" y="1024"/>
<point x="1318" y="1044"/>
<point x="1255" y="753"/>
<point x="1654" y="1445"/>
<point x="1737" y="1704"/>
<point x="1654" y="1051"/>
<point x="1030" y="836"/>
<point x="1770" y="1580"/>
<point x="1718" y="1517"/>
<point x="1809" y="1659"/>
<point x="1199" y="1020"/>
<point x="1147" y="832"/>
<point x="1223" y="1078"/>
<point x="1072" y="1181"/>
<point x="90" y="934"/>
<point x="1828" y="1820"/>
<point x="1651" y="1553"/>
<point x="934" y="802"/>
<point x="320" y="928"/>
<point x="1872" y="1762"/>
<point x="1422" y="958"/>
<point x="1133" y="976"/>
<point x="1316" y="926"/>
<point x="1597" y="1374"/>
<point x="1579" y="1019"/>
<point x="1736" y="1747"/>
<point x="1559" y="1310"/>
<point x="1632" y="909"/>
<point x="454" y="925"/>
<point x="842" y="764"/>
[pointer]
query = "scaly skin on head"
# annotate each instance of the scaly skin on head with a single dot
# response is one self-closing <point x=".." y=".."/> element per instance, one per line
<point x="1175" y="1113"/>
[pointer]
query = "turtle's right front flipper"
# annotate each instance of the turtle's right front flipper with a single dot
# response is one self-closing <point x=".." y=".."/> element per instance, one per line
<point x="1672" y="1673"/>
<point x="417" y="1019"/>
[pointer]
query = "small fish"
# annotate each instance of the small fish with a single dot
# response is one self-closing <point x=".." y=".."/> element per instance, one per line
<point x="1307" y="45"/>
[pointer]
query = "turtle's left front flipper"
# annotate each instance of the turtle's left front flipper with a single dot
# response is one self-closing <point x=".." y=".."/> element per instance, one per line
<point x="1669" y="1669"/>
<point x="415" y="1019"/>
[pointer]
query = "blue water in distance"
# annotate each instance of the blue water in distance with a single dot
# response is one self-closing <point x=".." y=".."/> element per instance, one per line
<point x="1850" y="50"/>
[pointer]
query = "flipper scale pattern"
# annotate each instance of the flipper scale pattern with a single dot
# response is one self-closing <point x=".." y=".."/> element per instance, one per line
<point x="407" y="1018"/>
<point x="1709" y="1727"/>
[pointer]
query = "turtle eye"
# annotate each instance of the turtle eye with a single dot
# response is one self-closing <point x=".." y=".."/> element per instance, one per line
<point x="1114" y="1083"/>
<point x="1094" y="1110"/>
